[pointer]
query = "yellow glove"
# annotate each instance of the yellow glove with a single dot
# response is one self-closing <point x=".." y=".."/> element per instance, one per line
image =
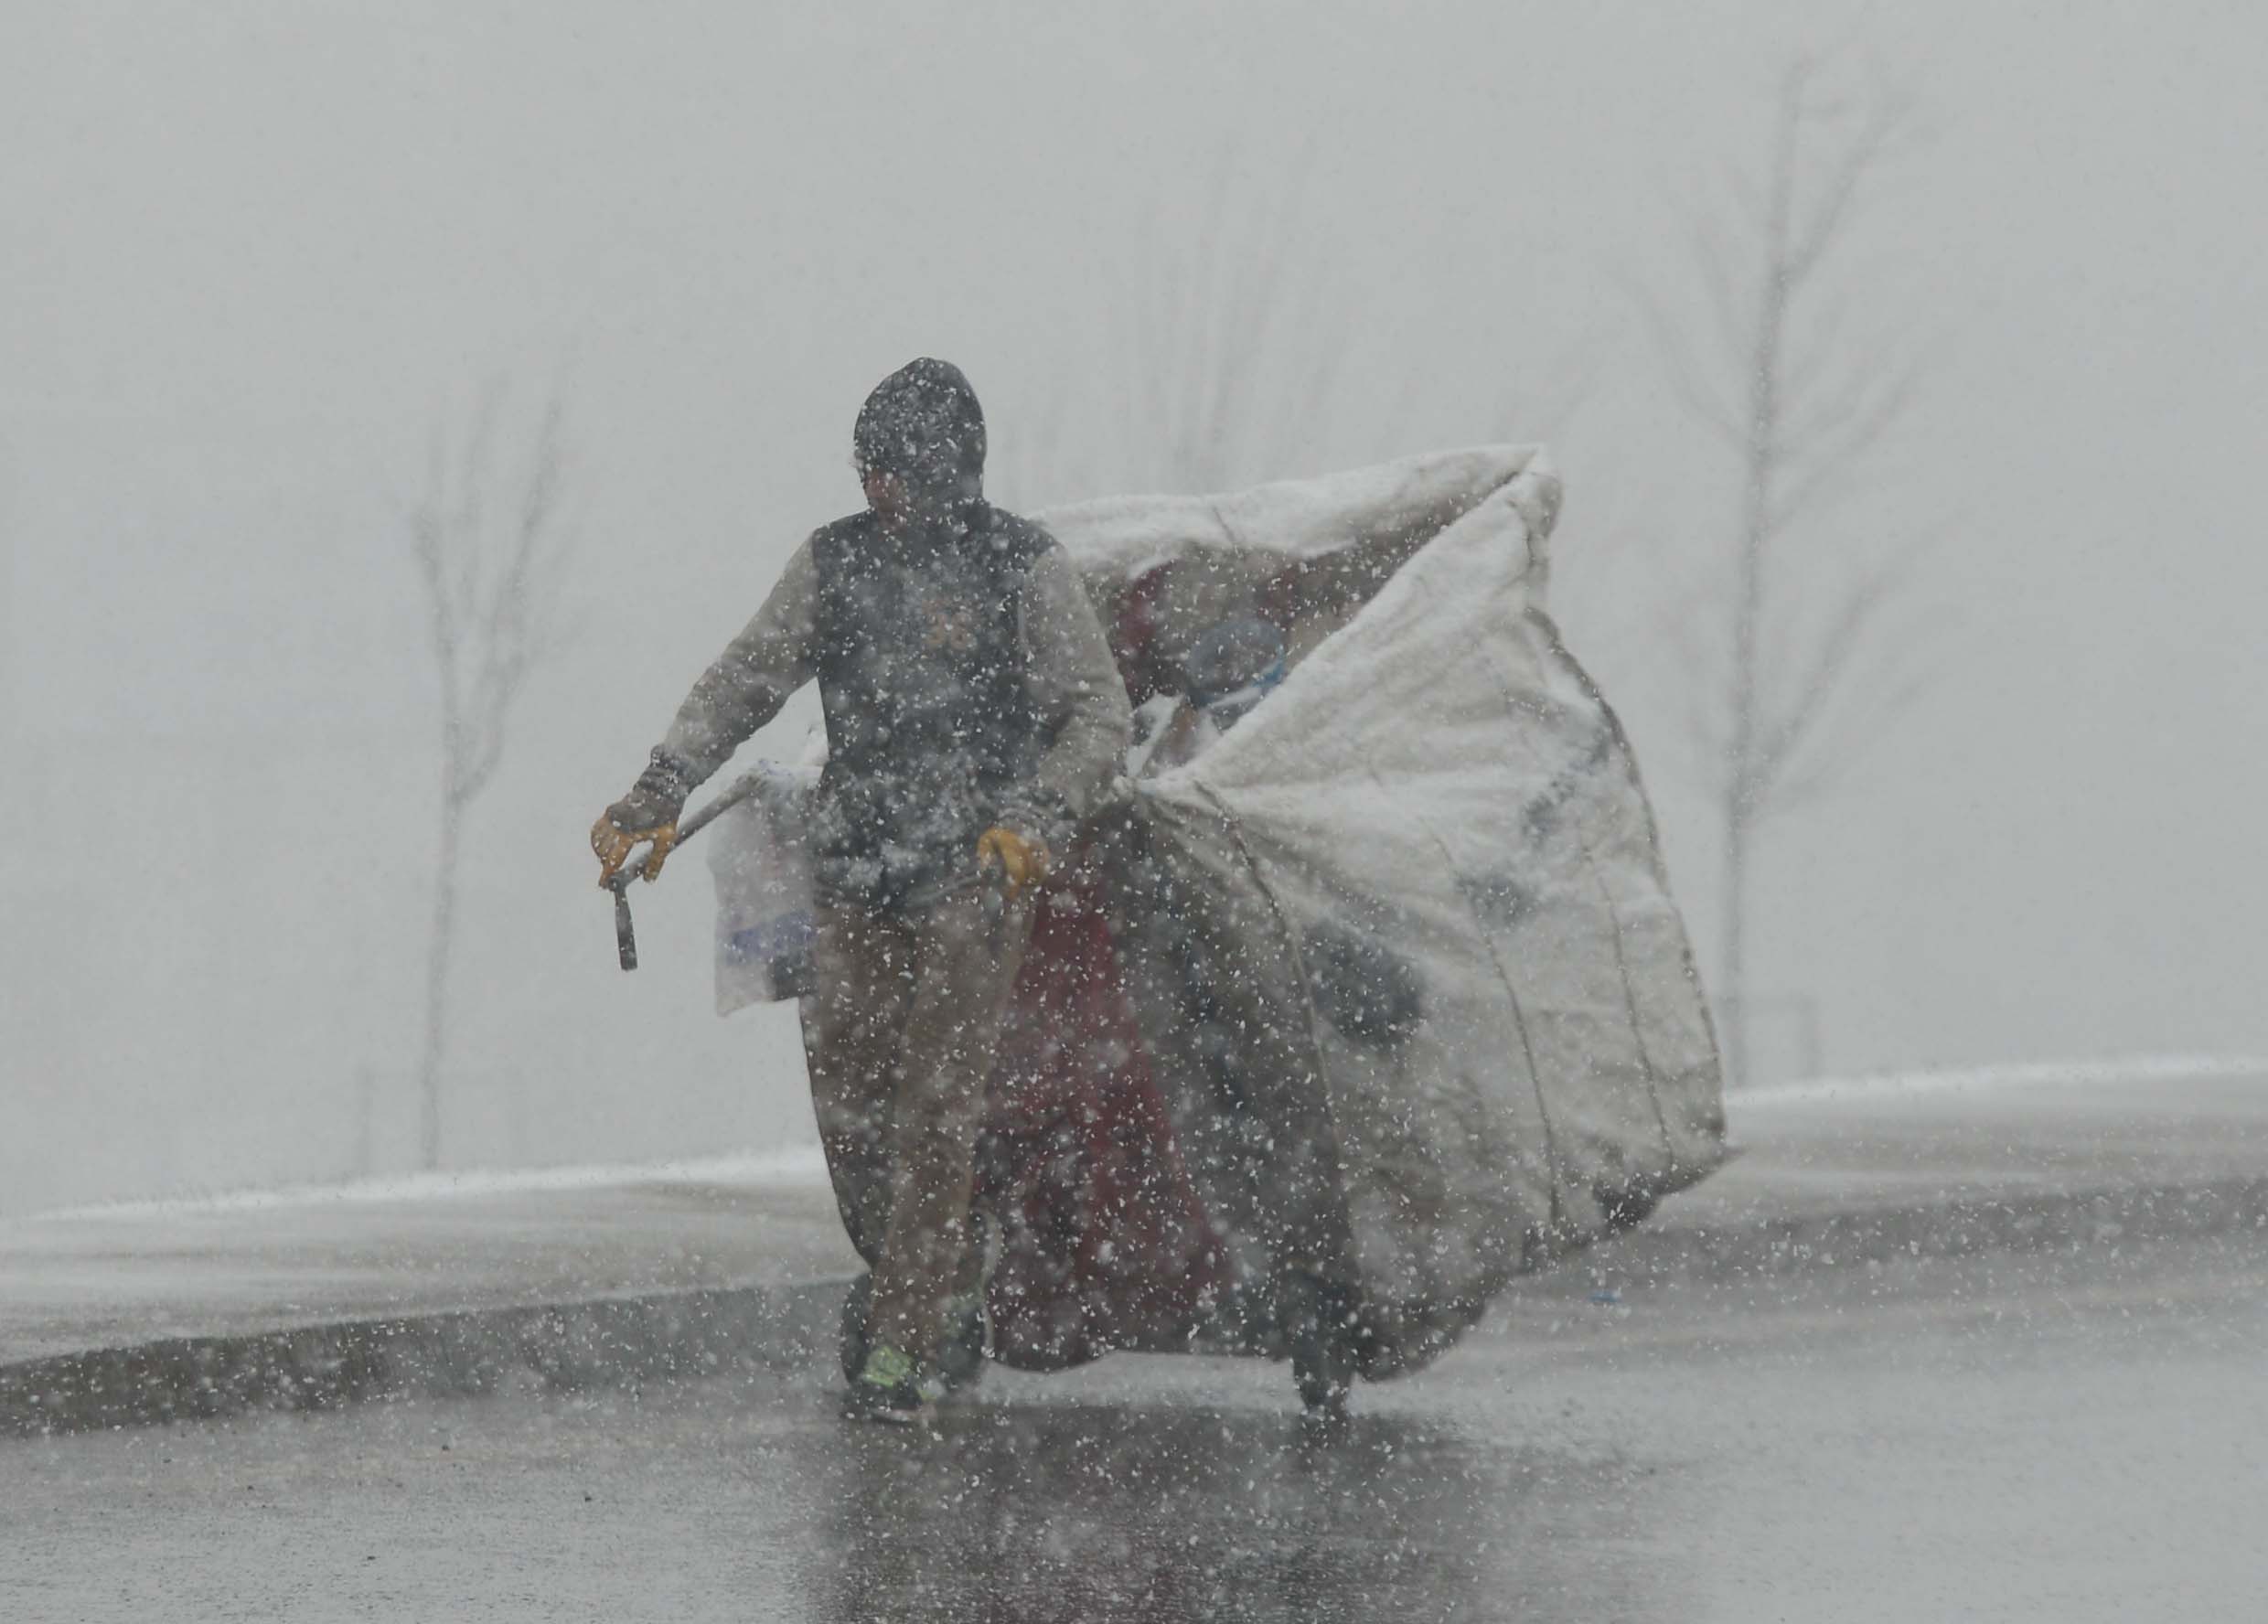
<point x="613" y="843"/>
<point x="649" y="812"/>
<point x="1022" y="860"/>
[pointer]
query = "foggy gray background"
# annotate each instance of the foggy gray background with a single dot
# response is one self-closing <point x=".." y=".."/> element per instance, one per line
<point x="254" y="254"/>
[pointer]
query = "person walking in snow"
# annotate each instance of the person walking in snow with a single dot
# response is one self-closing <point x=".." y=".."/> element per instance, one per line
<point x="974" y="717"/>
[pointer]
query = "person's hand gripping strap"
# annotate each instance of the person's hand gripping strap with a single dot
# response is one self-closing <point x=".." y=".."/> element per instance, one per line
<point x="646" y="816"/>
<point x="1022" y="860"/>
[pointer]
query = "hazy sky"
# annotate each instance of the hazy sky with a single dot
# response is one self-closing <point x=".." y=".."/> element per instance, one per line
<point x="255" y="252"/>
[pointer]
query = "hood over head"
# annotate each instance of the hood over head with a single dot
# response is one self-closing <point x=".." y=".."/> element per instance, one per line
<point x="923" y="423"/>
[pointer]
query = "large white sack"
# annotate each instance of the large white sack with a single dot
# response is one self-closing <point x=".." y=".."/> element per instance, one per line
<point x="1425" y="874"/>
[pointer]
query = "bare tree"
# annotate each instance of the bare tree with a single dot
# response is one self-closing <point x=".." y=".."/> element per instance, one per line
<point x="491" y="545"/>
<point x="1802" y="680"/>
<point x="1221" y="366"/>
<point x="1230" y="357"/>
<point x="1234" y="344"/>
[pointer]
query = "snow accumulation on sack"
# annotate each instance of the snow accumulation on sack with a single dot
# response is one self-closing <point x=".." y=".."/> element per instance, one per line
<point x="1400" y="937"/>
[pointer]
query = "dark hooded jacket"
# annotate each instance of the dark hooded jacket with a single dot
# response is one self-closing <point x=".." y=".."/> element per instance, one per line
<point x="965" y="679"/>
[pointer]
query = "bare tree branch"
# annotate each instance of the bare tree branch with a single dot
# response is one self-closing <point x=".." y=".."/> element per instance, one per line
<point x="1885" y="112"/>
<point x="1832" y="445"/>
<point x="1687" y="382"/>
<point x="1808" y="782"/>
<point x="1813" y="412"/>
<point x="1838" y="424"/>
<point x="491" y="548"/>
<point x="1730" y="310"/>
<point x="1809" y="694"/>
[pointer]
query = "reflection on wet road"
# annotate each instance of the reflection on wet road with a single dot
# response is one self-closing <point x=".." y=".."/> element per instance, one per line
<point x="1155" y="1512"/>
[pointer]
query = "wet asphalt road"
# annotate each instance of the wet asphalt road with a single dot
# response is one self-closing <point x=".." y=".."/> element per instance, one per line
<point x="2076" y="1432"/>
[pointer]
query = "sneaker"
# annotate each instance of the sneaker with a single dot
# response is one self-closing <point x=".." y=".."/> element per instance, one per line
<point x="888" y="1391"/>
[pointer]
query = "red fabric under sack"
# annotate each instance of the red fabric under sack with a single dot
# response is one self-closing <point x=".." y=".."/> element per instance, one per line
<point x="1105" y="1243"/>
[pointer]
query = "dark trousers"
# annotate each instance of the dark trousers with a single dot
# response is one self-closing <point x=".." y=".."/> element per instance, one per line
<point x="899" y="1034"/>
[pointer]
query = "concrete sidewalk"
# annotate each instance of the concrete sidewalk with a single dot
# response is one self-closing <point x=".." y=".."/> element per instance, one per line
<point x="1935" y="1140"/>
<point x="105" y="1277"/>
<point x="142" y="1313"/>
<point x="1876" y="1172"/>
<point x="150" y="1312"/>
